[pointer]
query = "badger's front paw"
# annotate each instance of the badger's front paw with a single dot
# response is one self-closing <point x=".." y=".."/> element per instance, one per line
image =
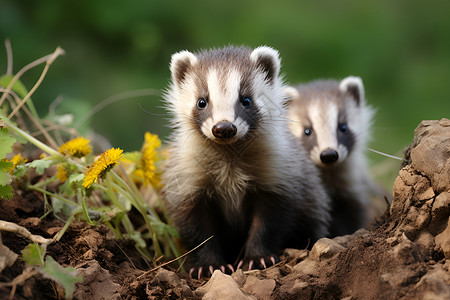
<point x="258" y="262"/>
<point x="207" y="270"/>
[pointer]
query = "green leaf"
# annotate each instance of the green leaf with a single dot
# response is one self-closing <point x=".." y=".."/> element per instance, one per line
<point x="18" y="87"/>
<point x="41" y="165"/>
<point x="6" y="142"/>
<point x="20" y="171"/>
<point x="33" y="254"/>
<point x="67" y="277"/>
<point x="76" y="178"/>
<point x="6" y="191"/>
<point x="5" y="166"/>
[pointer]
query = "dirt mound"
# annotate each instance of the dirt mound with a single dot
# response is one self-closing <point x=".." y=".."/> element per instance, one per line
<point x="405" y="255"/>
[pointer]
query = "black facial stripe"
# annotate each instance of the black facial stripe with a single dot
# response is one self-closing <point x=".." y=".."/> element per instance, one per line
<point x="346" y="139"/>
<point x="251" y="115"/>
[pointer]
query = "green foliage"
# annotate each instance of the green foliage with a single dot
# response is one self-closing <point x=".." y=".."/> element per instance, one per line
<point x="6" y="142"/>
<point x="18" y="87"/>
<point x="41" y="165"/>
<point x="34" y="254"/>
<point x="67" y="277"/>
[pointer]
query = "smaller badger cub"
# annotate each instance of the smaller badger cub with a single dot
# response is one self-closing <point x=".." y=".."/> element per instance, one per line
<point x="234" y="170"/>
<point x="333" y="122"/>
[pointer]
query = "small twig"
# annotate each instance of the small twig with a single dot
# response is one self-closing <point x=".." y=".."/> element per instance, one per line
<point x="42" y="130"/>
<point x="27" y="273"/>
<point x="173" y="260"/>
<point x="387" y="155"/>
<point x="20" y="230"/>
<point x="59" y="51"/>
<point x="25" y="69"/>
<point x="9" y="55"/>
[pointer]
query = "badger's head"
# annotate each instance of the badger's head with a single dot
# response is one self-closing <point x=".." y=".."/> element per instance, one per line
<point x="224" y="94"/>
<point x="330" y="118"/>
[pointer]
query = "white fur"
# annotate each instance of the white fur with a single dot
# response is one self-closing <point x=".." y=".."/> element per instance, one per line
<point x="267" y="51"/>
<point x="272" y="159"/>
<point x="324" y="128"/>
<point x="223" y="102"/>
<point x="181" y="57"/>
<point x="353" y="80"/>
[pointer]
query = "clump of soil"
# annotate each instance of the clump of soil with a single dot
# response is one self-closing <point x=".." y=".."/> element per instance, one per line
<point x="405" y="255"/>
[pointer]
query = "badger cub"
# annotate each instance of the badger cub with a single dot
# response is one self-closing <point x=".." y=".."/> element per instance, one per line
<point x="234" y="171"/>
<point x="333" y="122"/>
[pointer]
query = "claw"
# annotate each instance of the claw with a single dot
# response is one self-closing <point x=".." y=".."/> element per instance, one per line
<point x="263" y="263"/>
<point x="250" y="265"/>
<point x="222" y="268"/>
<point x="272" y="259"/>
<point x="240" y="265"/>
<point x="191" y="272"/>
<point x="200" y="271"/>
<point x="211" y="269"/>
<point x="231" y="268"/>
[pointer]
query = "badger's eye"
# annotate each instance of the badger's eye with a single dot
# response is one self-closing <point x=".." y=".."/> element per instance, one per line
<point x="308" y="131"/>
<point x="201" y="103"/>
<point x="246" y="102"/>
<point x="343" y="127"/>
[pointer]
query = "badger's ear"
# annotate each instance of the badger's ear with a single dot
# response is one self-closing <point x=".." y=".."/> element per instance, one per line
<point x="268" y="61"/>
<point x="354" y="86"/>
<point x="290" y="93"/>
<point x="181" y="63"/>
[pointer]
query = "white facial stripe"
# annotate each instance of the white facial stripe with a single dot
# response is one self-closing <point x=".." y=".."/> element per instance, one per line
<point x="324" y="123"/>
<point x="223" y="98"/>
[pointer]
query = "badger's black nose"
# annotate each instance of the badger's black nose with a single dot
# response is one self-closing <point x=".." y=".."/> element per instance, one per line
<point x="329" y="156"/>
<point x="224" y="130"/>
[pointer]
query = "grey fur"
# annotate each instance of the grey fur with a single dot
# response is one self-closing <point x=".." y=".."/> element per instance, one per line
<point x="266" y="162"/>
<point x="347" y="181"/>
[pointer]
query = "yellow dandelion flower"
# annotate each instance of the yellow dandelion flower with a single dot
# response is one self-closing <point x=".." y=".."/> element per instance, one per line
<point x="61" y="173"/>
<point x="77" y="147"/>
<point x="105" y="162"/>
<point x="149" y="156"/>
<point x="17" y="159"/>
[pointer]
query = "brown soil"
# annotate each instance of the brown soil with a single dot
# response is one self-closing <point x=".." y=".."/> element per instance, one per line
<point x="405" y="255"/>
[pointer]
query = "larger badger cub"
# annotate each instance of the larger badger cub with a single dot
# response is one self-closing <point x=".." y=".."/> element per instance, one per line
<point x="333" y="121"/>
<point x="234" y="170"/>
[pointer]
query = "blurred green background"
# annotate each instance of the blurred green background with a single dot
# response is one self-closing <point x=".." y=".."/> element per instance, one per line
<point x="401" y="49"/>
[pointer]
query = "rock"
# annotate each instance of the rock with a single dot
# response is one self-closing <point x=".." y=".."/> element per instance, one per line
<point x="440" y="213"/>
<point x="167" y="284"/>
<point x="443" y="241"/>
<point x="325" y="248"/>
<point x="7" y="257"/>
<point x="166" y="278"/>
<point x="434" y="285"/>
<point x="345" y="240"/>
<point x="296" y="254"/>
<point x="239" y="277"/>
<point x="308" y="267"/>
<point x="260" y="288"/>
<point x="221" y="286"/>
<point x="97" y="283"/>
<point x="430" y="153"/>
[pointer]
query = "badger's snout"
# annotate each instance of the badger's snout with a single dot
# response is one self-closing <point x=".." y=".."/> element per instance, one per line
<point x="329" y="156"/>
<point x="224" y="130"/>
